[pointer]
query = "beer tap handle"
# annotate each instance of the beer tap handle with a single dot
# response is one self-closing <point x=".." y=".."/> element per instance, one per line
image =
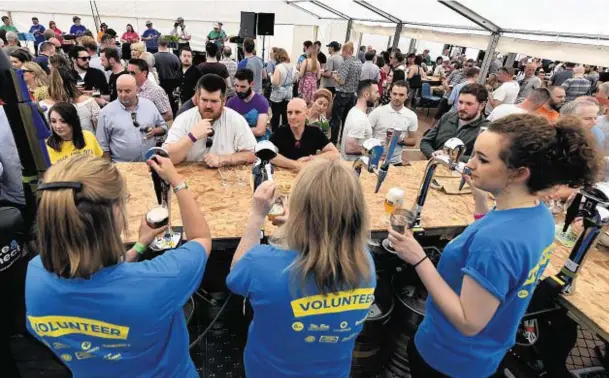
<point x="391" y="149"/>
<point x="572" y="211"/>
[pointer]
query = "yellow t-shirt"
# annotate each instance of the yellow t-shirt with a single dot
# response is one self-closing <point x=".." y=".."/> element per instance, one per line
<point x="68" y="150"/>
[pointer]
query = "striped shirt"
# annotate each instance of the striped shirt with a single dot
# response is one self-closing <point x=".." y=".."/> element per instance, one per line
<point x="350" y="72"/>
<point x="575" y="87"/>
<point x="231" y="66"/>
<point x="157" y="95"/>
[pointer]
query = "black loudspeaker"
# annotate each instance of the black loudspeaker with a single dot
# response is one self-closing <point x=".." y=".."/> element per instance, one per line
<point x="248" y="25"/>
<point x="198" y="57"/>
<point x="266" y="23"/>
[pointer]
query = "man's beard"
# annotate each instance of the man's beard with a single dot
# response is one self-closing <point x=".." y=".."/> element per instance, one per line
<point x="208" y="113"/>
<point x="464" y="116"/>
<point x="555" y="106"/>
<point x="128" y="102"/>
<point x="81" y="67"/>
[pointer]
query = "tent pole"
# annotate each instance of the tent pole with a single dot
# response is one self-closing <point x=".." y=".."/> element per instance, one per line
<point x="489" y="55"/>
<point x="509" y="62"/>
<point x="389" y="43"/>
<point x="413" y="46"/>
<point x="349" y="27"/>
<point x="396" y="36"/>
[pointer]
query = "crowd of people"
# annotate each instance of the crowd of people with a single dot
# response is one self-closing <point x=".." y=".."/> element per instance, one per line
<point x="107" y="104"/>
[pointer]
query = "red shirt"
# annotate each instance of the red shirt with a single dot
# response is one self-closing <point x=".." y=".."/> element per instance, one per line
<point x="58" y="34"/>
<point x="130" y="37"/>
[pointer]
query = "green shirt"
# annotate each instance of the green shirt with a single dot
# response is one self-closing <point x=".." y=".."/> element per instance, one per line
<point x="9" y="28"/>
<point x="217" y="37"/>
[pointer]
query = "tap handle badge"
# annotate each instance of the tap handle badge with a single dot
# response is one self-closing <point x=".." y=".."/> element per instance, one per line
<point x="454" y="148"/>
<point x="161" y="187"/>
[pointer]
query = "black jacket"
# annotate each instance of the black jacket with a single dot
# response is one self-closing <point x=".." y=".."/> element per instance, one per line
<point x="94" y="78"/>
<point x="448" y="127"/>
<point x="188" y="82"/>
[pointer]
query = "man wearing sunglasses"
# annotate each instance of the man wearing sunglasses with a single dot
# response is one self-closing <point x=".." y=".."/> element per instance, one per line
<point x="91" y="77"/>
<point x="130" y="125"/>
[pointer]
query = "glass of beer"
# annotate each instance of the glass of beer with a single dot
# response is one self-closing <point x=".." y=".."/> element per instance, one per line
<point x="400" y="220"/>
<point x="394" y="200"/>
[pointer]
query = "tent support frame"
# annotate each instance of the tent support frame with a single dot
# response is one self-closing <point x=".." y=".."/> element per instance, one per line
<point x="489" y="55"/>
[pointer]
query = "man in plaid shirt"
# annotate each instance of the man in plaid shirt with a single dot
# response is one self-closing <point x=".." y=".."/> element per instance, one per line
<point x="138" y="68"/>
<point x="576" y="86"/>
<point x="347" y="80"/>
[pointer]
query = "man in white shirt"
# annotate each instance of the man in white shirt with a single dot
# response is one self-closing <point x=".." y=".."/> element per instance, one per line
<point x="506" y="93"/>
<point x="211" y="132"/>
<point x="536" y="99"/>
<point x="395" y="115"/>
<point x="357" y="126"/>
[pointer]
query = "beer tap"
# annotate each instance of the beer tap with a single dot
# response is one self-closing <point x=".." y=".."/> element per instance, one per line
<point x="161" y="215"/>
<point x="592" y="205"/>
<point x="452" y="152"/>
<point x="373" y="151"/>
<point x="263" y="169"/>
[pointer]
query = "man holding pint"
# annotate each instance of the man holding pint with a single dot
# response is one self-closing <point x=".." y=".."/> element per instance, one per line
<point x="210" y="132"/>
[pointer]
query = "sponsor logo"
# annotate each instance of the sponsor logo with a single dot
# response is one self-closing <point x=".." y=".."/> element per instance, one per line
<point x="344" y="325"/>
<point x="58" y="345"/>
<point x="56" y="326"/>
<point x="350" y="337"/>
<point x="112" y="357"/>
<point x="66" y="357"/>
<point x="310" y="339"/>
<point x="320" y="327"/>
<point x="328" y="339"/>
<point x="358" y="299"/>
<point x="297" y="326"/>
<point x="85" y="345"/>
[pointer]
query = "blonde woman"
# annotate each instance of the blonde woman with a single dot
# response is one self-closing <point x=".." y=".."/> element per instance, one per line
<point x="37" y="81"/>
<point x="309" y="73"/>
<point x="85" y="292"/>
<point x="282" y="81"/>
<point x="320" y="273"/>
<point x="152" y="73"/>
<point x="137" y="49"/>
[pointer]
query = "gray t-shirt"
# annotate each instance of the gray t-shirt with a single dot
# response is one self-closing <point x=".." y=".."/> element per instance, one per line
<point x="370" y="71"/>
<point x="333" y="64"/>
<point x="526" y="87"/>
<point x="167" y="65"/>
<point x="11" y="186"/>
<point x="255" y="64"/>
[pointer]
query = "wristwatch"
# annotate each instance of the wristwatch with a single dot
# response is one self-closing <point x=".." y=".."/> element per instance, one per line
<point x="183" y="185"/>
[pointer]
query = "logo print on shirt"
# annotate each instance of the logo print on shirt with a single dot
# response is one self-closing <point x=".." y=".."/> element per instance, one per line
<point x="56" y="326"/>
<point x="358" y="299"/>
<point x="535" y="273"/>
<point x="297" y="326"/>
<point x="310" y="339"/>
<point x="66" y="357"/>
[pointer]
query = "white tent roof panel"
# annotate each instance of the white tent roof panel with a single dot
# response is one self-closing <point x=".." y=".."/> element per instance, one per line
<point x="321" y="12"/>
<point x="353" y="10"/>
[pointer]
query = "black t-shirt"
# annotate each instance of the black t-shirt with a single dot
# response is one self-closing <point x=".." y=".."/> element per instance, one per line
<point x="112" y="84"/>
<point x="321" y="58"/>
<point x="312" y="140"/>
<point x="215" y="68"/>
<point x="94" y="78"/>
<point x="167" y="65"/>
<point x="188" y="82"/>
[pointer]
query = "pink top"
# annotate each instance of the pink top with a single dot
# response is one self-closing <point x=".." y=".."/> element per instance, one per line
<point x="58" y="34"/>
<point x="130" y="37"/>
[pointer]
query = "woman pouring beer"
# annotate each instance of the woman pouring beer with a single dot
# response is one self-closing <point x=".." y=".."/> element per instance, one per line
<point x="486" y="276"/>
<point x="102" y="315"/>
<point x="310" y="293"/>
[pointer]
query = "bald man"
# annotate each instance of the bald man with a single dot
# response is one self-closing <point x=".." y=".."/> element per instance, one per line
<point x="576" y="86"/>
<point x="298" y="143"/>
<point x="528" y="83"/>
<point x="129" y="126"/>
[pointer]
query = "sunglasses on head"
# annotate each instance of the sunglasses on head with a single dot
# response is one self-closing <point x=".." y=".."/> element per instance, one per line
<point x="134" y="119"/>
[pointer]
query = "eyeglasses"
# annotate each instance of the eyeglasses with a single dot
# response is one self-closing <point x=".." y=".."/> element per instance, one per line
<point x="134" y="119"/>
<point x="84" y="57"/>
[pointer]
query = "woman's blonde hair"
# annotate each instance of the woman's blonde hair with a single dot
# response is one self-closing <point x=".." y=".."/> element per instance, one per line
<point x="328" y="226"/>
<point x="139" y="46"/>
<point x="79" y="231"/>
<point x="314" y="61"/>
<point x="281" y="56"/>
<point x="40" y="77"/>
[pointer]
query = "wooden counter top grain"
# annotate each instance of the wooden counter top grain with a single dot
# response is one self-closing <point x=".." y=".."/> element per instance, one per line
<point x="589" y="303"/>
<point x="227" y="209"/>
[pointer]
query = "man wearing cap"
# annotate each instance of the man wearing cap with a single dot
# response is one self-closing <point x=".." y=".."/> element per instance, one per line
<point x="181" y="31"/>
<point x="151" y="37"/>
<point x="77" y="29"/>
<point x="38" y="31"/>
<point x="333" y="63"/>
<point x="217" y="36"/>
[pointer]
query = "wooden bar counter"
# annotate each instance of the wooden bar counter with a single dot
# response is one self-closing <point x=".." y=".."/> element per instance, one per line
<point x="227" y="209"/>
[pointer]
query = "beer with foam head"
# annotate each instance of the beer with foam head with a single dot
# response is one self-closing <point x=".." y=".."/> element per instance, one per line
<point x="394" y="200"/>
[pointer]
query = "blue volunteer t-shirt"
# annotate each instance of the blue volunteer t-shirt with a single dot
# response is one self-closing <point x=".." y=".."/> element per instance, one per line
<point x="125" y="321"/>
<point x="505" y="252"/>
<point x="251" y="110"/>
<point x="77" y="29"/>
<point x="297" y="336"/>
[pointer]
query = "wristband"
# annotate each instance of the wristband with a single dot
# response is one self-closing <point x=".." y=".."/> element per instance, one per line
<point x="192" y="138"/>
<point x="420" y="261"/>
<point x="479" y="216"/>
<point x="139" y="248"/>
